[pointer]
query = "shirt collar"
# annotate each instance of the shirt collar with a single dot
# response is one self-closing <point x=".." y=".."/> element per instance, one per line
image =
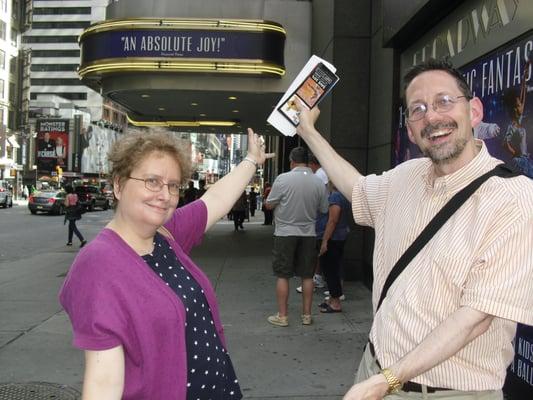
<point x="302" y="169"/>
<point x="455" y="181"/>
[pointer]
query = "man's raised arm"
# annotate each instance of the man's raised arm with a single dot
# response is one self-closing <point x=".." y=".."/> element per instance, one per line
<point x="340" y="171"/>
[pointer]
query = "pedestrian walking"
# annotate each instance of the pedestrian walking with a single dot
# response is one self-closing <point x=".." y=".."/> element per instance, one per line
<point x="446" y="302"/>
<point x="190" y="194"/>
<point x="143" y="312"/>
<point x="252" y="196"/>
<point x="239" y="212"/>
<point x="269" y="214"/>
<point x="73" y="211"/>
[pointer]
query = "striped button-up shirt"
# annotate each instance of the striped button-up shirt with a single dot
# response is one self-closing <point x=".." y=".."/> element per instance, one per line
<point x="481" y="258"/>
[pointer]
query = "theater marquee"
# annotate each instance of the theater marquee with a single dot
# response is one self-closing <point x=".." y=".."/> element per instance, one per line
<point x="183" y="45"/>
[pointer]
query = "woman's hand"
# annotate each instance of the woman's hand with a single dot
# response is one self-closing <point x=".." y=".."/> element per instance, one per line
<point x="323" y="247"/>
<point x="256" y="148"/>
<point x="222" y="195"/>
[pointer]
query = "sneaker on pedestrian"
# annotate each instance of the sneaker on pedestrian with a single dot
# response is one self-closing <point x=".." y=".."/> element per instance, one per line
<point x="307" y="319"/>
<point x="83" y="243"/>
<point x="341" y="298"/>
<point x="318" y="280"/>
<point x="299" y="289"/>
<point x="278" y="321"/>
<point x="69" y="243"/>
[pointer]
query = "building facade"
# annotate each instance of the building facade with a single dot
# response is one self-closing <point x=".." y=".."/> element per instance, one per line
<point x="52" y="43"/>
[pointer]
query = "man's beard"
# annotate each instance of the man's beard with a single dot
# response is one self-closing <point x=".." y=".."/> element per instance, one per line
<point x="446" y="152"/>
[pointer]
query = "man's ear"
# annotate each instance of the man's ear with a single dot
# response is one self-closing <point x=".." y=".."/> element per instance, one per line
<point x="410" y="133"/>
<point x="476" y="111"/>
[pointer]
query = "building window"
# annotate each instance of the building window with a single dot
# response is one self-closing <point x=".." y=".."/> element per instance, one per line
<point x="55" y="53"/>
<point x="13" y="37"/>
<point x="2" y="59"/>
<point x="56" y="82"/>
<point x="12" y="92"/>
<point x="68" y="96"/>
<point x="61" y="10"/>
<point x="15" y="9"/>
<point x="3" y="28"/>
<point x="106" y="114"/>
<point x="60" y="25"/>
<point x="1" y="90"/>
<point x="115" y="117"/>
<point x="53" y="67"/>
<point x="50" y="39"/>
<point x="11" y="119"/>
<point x="13" y="65"/>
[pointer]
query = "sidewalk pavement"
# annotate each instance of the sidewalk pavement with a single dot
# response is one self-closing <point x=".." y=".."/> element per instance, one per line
<point x="295" y="362"/>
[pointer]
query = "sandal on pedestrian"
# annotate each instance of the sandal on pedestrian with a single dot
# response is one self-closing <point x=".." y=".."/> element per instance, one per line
<point x="329" y="310"/>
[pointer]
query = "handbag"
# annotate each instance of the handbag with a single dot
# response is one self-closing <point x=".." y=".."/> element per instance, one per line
<point x="501" y="170"/>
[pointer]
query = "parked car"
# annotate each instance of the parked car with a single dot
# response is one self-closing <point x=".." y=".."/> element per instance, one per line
<point x="91" y="197"/>
<point x="50" y="201"/>
<point x="6" y="197"/>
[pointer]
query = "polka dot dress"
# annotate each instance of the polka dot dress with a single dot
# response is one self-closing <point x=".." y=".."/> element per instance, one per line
<point x="210" y="373"/>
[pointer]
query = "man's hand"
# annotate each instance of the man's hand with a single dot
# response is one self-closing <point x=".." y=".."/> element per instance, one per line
<point x="374" y="388"/>
<point x="307" y="118"/>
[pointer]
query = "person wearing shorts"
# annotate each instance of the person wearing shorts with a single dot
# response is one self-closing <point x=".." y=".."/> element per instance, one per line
<point x="296" y="197"/>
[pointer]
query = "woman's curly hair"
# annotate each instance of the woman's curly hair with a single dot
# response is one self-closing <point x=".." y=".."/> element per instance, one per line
<point x="131" y="150"/>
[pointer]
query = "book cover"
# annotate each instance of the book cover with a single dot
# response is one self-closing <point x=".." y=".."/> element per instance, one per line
<point x="312" y="90"/>
<point x="311" y="85"/>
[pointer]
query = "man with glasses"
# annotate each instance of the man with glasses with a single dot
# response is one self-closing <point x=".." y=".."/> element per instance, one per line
<point x="445" y="328"/>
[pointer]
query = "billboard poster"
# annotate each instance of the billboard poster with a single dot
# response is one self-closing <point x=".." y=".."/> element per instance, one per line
<point x="503" y="81"/>
<point x="52" y="143"/>
<point x="519" y="382"/>
<point x="95" y="142"/>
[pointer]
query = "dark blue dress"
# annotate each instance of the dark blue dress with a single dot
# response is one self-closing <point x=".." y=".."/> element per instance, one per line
<point x="210" y="373"/>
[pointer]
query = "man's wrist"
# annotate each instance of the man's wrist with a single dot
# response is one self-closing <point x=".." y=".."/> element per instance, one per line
<point x="394" y="383"/>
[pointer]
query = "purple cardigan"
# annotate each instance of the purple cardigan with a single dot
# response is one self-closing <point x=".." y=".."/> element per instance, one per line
<point x="113" y="298"/>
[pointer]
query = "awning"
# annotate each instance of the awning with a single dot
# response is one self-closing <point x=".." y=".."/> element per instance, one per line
<point x="11" y="141"/>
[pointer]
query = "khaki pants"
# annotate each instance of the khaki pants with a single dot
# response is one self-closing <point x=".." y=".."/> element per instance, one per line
<point x="369" y="367"/>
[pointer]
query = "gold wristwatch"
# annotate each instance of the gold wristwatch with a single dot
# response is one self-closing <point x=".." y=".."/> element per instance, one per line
<point x="394" y="383"/>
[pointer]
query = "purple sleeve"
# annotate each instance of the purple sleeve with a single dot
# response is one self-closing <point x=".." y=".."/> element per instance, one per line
<point x="91" y="301"/>
<point x="188" y="223"/>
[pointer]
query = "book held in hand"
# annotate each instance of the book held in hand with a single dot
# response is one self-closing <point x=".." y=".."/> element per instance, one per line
<point x="313" y="89"/>
<point x="311" y="85"/>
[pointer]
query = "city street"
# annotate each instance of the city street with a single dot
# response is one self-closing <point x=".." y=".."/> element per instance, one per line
<point x="296" y="362"/>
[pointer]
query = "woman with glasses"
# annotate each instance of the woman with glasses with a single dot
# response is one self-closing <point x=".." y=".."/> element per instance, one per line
<point x="143" y="312"/>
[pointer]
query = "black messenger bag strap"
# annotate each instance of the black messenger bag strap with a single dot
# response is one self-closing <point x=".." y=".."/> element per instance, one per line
<point x="501" y="170"/>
